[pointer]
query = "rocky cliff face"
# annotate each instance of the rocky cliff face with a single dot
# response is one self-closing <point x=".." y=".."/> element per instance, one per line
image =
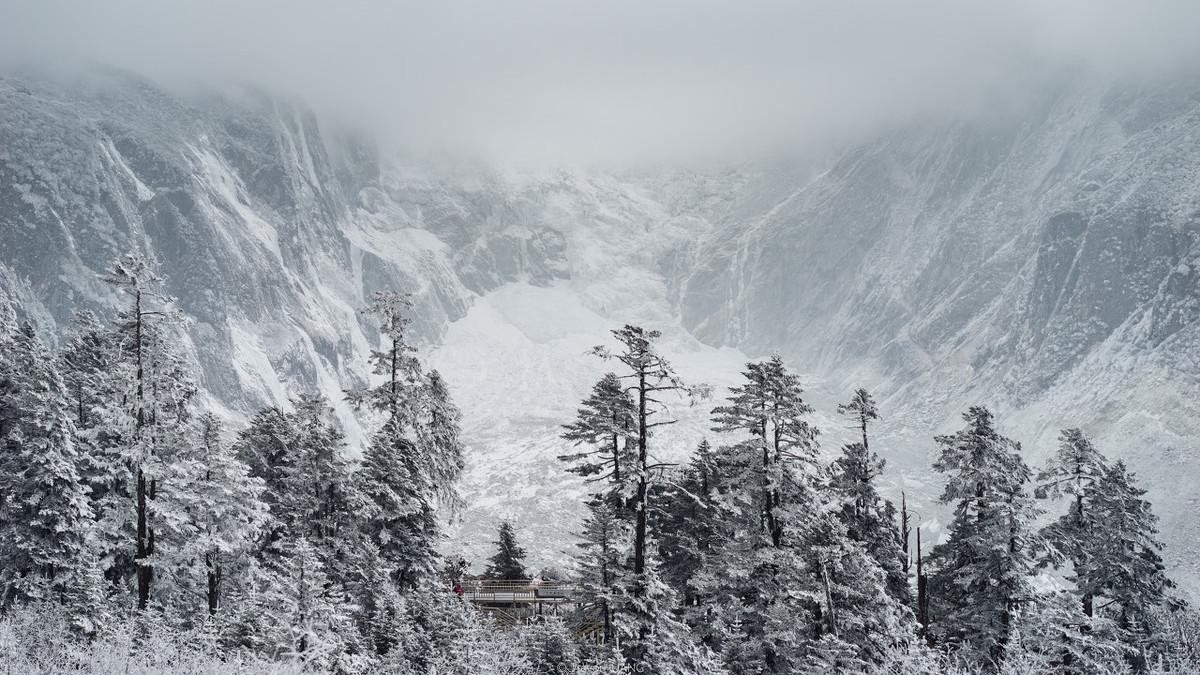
<point x="270" y="231"/>
<point x="1045" y="263"/>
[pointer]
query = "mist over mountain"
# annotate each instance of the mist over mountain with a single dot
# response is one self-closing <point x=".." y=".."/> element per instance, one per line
<point x="1043" y="263"/>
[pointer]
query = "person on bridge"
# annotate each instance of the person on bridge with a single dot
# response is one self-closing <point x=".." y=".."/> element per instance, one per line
<point x="458" y="589"/>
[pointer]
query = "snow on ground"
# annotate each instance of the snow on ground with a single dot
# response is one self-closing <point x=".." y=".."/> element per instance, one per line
<point x="518" y="364"/>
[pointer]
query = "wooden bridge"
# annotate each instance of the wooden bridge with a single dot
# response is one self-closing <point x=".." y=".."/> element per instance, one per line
<point x="511" y="602"/>
<point x="494" y="592"/>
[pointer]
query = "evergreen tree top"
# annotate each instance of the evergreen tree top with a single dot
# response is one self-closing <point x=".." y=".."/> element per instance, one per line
<point x="978" y="461"/>
<point x="1075" y="465"/>
<point x="639" y="353"/>
<point x="770" y="406"/>
<point x="136" y="274"/>
<point x="860" y="407"/>
<point x="508" y="561"/>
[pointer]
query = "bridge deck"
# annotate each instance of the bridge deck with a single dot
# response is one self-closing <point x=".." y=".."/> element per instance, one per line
<point x="511" y="602"/>
<point x="520" y="591"/>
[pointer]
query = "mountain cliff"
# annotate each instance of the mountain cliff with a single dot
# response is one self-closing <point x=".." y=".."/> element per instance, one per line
<point x="1042" y="261"/>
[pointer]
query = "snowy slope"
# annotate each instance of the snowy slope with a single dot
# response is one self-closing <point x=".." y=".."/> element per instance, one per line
<point x="1041" y="263"/>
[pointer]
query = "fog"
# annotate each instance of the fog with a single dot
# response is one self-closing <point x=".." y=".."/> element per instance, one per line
<point x="620" y="81"/>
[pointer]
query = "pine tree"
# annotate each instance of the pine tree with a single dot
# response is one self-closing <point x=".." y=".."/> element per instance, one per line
<point x="869" y="519"/>
<point x="414" y="461"/>
<point x="603" y="425"/>
<point x="1073" y="472"/>
<point x="602" y="550"/>
<point x="401" y="522"/>
<point x="981" y="577"/>
<point x="9" y="413"/>
<point x="550" y="647"/>
<point x="768" y="601"/>
<point x="90" y="361"/>
<point x="381" y="614"/>
<point x="156" y="391"/>
<point x="859" y="621"/>
<point x="771" y="408"/>
<point x="309" y="487"/>
<point x="221" y="513"/>
<point x="507" y="563"/>
<point x="270" y="448"/>
<point x="305" y="612"/>
<point x="84" y="360"/>
<point x="649" y="376"/>
<point x="440" y="436"/>
<point x="689" y="517"/>
<point x="85" y="599"/>
<point x="329" y="503"/>
<point x="653" y="639"/>
<point x="1122" y="560"/>
<point x="44" y="512"/>
<point x="1107" y="534"/>
<point x="1053" y="635"/>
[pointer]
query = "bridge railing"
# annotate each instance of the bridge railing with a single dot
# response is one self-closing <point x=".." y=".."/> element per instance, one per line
<point x="518" y="590"/>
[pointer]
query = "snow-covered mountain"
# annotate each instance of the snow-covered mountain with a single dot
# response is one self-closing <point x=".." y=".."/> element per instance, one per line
<point x="1044" y="263"/>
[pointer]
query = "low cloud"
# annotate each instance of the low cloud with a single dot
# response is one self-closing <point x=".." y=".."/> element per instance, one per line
<point x="620" y="81"/>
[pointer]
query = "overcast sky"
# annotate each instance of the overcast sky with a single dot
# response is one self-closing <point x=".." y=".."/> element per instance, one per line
<point x="616" y="80"/>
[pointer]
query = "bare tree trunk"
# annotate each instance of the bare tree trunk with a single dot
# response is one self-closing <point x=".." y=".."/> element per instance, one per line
<point x="145" y="536"/>
<point x="831" y="618"/>
<point x="214" y="585"/>
<point x="922" y="595"/>
<point x="639" y="537"/>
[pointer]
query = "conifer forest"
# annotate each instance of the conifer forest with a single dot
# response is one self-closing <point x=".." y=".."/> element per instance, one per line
<point x="140" y="534"/>
<point x="600" y="337"/>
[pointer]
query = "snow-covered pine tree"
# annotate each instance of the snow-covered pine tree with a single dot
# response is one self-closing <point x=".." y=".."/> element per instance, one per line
<point x="981" y="576"/>
<point x="648" y="377"/>
<point x="380" y="612"/>
<point x="1122" y="560"/>
<point x="155" y="391"/>
<point x="330" y="502"/>
<point x="8" y="387"/>
<point x="439" y="432"/>
<point x="688" y="518"/>
<point x="306" y="617"/>
<point x="859" y="621"/>
<point x="862" y="410"/>
<point x="222" y="514"/>
<point x="763" y="601"/>
<point x="44" y="512"/>
<point x="84" y="359"/>
<point x="310" y="493"/>
<point x="550" y="647"/>
<point x="770" y="407"/>
<point x="414" y="460"/>
<point x="603" y="426"/>
<point x="869" y="519"/>
<point x="652" y="638"/>
<point x="85" y="598"/>
<point x="1055" y="636"/>
<point x="89" y="359"/>
<point x="401" y="521"/>
<point x="508" y="561"/>
<point x="269" y="446"/>
<point x="1108" y="536"/>
<point x="1072" y="473"/>
<point x="602" y="550"/>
